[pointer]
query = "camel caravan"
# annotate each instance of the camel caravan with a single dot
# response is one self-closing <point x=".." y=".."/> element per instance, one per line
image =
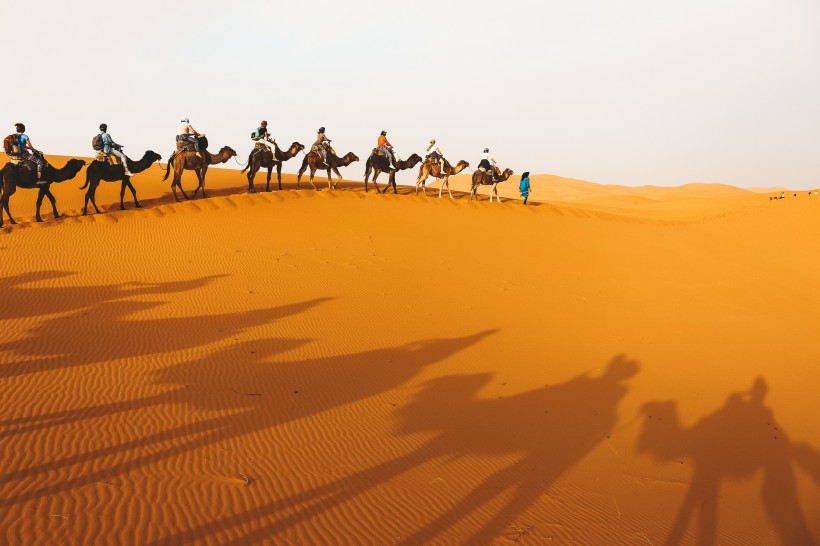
<point x="28" y="169"/>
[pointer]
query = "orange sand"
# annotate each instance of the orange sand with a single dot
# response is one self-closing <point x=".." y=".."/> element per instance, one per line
<point x="350" y="368"/>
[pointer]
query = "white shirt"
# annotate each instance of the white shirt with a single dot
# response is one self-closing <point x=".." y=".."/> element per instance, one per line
<point x="433" y="148"/>
<point x="489" y="158"/>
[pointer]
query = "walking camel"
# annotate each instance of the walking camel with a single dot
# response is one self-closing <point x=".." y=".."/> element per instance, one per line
<point x="263" y="158"/>
<point x="434" y="169"/>
<point x="482" y="178"/>
<point x="19" y="176"/>
<point x="379" y="163"/>
<point x="101" y="171"/>
<point x="314" y="161"/>
<point x="191" y="161"/>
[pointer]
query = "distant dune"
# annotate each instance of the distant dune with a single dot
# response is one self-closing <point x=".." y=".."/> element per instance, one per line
<point x="611" y="365"/>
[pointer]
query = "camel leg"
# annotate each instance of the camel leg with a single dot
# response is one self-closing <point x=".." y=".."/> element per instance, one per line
<point x="312" y="175"/>
<point x="53" y="202"/>
<point x="200" y="174"/>
<point x="391" y="181"/>
<point x="122" y="192"/>
<point x="5" y="202"/>
<point x="336" y="183"/>
<point x="329" y="179"/>
<point x="251" y="175"/>
<point x="279" y="174"/>
<point x="270" y="170"/>
<point x="133" y="193"/>
<point x="92" y="190"/>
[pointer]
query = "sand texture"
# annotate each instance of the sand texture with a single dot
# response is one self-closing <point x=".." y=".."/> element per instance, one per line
<point x="611" y="366"/>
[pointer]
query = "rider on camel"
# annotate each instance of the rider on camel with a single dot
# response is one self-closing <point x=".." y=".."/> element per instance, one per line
<point x="111" y="147"/>
<point x="386" y="148"/>
<point x="262" y="136"/>
<point x="487" y="163"/>
<point x="29" y="152"/>
<point x="434" y="154"/>
<point x="187" y="133"/>
<point x="321" y="145"/>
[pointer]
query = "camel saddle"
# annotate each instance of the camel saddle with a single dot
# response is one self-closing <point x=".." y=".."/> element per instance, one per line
<point x="103" y="157"/>
<point x="378" y="152"/>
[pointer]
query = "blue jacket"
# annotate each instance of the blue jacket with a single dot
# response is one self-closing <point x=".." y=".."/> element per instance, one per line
<point x="108" y="143"/>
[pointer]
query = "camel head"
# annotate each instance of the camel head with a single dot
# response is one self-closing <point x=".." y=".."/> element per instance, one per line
<point x="462" y="165"/>
<point x="74" y="165"/>
<point x="349" y="158"/>
<point x="296" y="147"/>
<point x="227" y="150"/>
<point x="152" y="156"/>
<point x="414" y="159"/>
<point x="506" y="174"/>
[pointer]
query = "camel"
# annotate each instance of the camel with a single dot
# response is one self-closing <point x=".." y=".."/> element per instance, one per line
<point x="264" y="158"/>
<point x="101" y="171"/>
<point x="18" y="176"/>
<point x="378" y="163"/>
<point x="433" y="169"/>
<point x="314" y="161"/>
<point x="191" y="161"/>
<point x="483" y="178"/>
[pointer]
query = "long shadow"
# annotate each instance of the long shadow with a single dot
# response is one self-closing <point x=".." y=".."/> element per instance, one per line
<point x="114" y="328"/>
<point x="324" y="384"/>
<point x="736" y="441"/>
<point x="572" y="418"/>
<point x="19" y="300"/>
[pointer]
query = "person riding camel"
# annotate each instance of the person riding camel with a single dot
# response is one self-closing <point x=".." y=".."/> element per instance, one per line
<point x="187" y="133"/>
<point x="262" y="136"/>
<point x="111" y="147"/>
<point x="322" y="144"/>
<point x="434" y="154"/>
<point x="386" y="148"/>
<point x="28" y="152"/>
<point x="488" y="163"/>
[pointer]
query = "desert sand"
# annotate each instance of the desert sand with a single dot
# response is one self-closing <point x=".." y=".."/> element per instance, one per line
<point x="613" y="366"/>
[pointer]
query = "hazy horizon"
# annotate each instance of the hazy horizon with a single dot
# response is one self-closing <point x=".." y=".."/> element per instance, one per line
<point x="629" y="93"/>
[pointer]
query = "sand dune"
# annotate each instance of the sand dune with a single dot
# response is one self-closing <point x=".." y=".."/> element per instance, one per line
<point x="610" y="366"/>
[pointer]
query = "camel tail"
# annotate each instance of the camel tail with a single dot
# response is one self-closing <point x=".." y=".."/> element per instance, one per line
<point x="168" y="168"/>
<point x="248" y="166"/>
<point x="84" y="186"/>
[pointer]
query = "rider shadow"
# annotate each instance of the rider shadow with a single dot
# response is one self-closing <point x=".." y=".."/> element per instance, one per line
<point x="735" y="442"/>
<point x="572" y="419"/>
<point x="550" y="430"/>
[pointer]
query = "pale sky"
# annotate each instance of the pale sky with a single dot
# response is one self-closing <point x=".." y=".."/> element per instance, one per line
<point x="626" y="92"/>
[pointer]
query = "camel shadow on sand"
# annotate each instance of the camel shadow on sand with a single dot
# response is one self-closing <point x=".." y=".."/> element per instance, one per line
<point x="250" y="391"/>
<point x="735" y="442"/>
<point x="573" y="418"/>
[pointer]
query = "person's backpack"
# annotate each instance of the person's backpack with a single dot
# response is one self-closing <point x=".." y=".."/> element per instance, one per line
<point x="11" y="145"/>
<point x="97" y="142"/>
